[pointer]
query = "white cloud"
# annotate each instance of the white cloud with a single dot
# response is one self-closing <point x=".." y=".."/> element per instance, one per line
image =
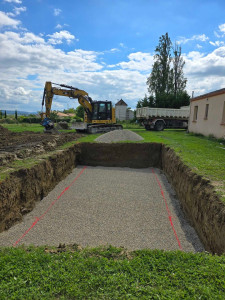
<point x="16" y="38"/>
<point x="20" y="91"/>
<point x="138" y="61"/>
<point x="217" y="34"/>
<point x="58" y="37"/>
<point x="57" y="11"/>
<point x="222" y="28"/>
<point x="198" y="46"/>
<point x="58" y="26"/>
<point x="217" y="43"/>
<point x="205" y="72"/>
<point x="199" y="37"/>
<point x="17" y="11"/>
<point x="14" y="1"/>
<point x="114" y="50"/>
<point x="7" y="21"/>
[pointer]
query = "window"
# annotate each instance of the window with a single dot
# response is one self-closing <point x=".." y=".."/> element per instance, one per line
<point x="195" y="113"/>
<point x="223" y="117"/>
<point x="206" y="111"/>
<point x="102" y="107"/>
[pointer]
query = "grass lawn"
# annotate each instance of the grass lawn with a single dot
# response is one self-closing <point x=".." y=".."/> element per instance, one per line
<point x="20" y="127"/>
<point x="109" y="273"/>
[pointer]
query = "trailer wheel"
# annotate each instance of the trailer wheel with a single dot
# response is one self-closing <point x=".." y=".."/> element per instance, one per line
<point x="159" y="126"/>
<point x="147" y="127"/>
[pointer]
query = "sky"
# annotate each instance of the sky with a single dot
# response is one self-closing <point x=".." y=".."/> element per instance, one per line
<point x="105" y="47"/>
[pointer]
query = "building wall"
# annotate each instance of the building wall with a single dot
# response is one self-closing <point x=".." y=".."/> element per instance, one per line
<point x="214" y="122"/>
<point x="121" y="111"/>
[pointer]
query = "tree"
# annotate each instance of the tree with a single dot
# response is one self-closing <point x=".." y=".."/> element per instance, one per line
<point x="166" y="83"/>
<point x="178" y="75"/>
<point x="80" y="111"/>
<point x="70" y="111"/>
<point x="16" y="114"/>
<point x="146" y="102"/>
<point x="160" y="80"/>
<point x="5" y="114"/>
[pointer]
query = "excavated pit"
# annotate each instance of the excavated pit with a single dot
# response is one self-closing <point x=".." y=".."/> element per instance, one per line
<point x="197" y="197"/>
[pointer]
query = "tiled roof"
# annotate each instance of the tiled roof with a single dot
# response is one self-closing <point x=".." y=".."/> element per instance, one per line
<point x="121" y="102"/>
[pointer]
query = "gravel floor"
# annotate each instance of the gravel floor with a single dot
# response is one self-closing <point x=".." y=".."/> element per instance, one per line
<point x="117" y="206"/>
<point x="119" y="135"/>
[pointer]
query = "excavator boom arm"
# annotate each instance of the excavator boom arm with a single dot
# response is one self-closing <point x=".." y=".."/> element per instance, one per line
<point x="71" y="92"/>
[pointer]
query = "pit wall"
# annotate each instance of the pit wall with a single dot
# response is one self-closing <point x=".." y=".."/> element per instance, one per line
<point x="23" y="188"/>
<point x="198" y="199"/>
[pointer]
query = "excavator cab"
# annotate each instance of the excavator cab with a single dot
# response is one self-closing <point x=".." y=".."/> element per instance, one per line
<point x="101" y="110"/>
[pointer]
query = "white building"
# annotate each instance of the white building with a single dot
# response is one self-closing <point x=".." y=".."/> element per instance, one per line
<point x="207" y="114"/>
<point x="122" y="112"/>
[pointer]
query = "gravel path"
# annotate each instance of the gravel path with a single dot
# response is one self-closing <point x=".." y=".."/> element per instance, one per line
<point x="100" y="205"/>
<point x="119" y="135"/>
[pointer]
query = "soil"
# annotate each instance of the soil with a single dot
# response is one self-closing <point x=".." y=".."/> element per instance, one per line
<point x="25" y="144"/>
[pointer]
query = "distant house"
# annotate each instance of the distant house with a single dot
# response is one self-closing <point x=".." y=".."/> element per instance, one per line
<point x="122" y="112"/>
<point x="63" y="115"/>
<point x="207" y="114"/>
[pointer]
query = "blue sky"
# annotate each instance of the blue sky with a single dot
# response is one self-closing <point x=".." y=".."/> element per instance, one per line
<point x="104" y="47"/>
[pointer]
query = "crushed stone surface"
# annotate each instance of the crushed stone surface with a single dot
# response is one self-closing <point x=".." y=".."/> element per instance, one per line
<point x="105" y="205"/>
<point x="119" y="135"/>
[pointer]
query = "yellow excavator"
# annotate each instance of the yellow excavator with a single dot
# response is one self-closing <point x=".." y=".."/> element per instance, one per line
<point x="99" y="116"/>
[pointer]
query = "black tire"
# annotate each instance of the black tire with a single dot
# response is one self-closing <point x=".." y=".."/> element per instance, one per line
<point x="159" y="126"/>
<point x="147" y="127"/>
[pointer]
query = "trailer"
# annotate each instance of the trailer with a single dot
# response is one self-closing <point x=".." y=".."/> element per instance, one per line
<point x="160" y="118"/>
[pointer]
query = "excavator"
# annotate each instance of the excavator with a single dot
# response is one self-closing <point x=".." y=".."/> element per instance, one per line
<point x="99" y="116"/>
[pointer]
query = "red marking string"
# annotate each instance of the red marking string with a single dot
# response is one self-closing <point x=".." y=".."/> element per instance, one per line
<point x="48" y="209"/>
<point x="168" y="211"/>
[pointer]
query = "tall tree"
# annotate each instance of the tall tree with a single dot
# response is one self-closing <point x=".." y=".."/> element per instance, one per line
<point x="160" y="80"/>
<point x="166" y="83"/>
<point x="178" y="75"/>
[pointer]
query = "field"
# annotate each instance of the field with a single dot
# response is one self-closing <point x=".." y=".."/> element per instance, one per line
<point x="69" y="272"/>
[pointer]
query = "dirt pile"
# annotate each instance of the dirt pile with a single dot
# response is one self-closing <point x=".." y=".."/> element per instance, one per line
<point x="119" y="135"/>
<point x="4" y="131"/>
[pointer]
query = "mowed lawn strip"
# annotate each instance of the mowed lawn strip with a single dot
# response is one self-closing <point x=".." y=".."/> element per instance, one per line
<point x="109" y="273"/>
<point x="21" y="127"/>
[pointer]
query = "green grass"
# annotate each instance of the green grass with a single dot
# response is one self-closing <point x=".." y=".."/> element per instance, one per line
<point x="20" y="127"/>
<point x="109" y="273"/>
